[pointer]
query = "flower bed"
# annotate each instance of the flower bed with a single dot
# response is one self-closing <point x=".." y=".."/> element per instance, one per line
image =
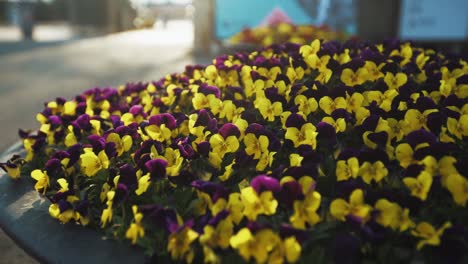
<point x="349" y="152"/>
<point x="284" y="32"/>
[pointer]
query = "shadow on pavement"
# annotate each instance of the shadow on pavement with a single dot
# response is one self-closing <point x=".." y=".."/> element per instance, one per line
<point x="10" y="47"/>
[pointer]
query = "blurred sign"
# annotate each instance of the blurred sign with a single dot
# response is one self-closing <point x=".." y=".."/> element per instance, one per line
<point x="434" y="20"/>
<point x="232" y="16"/>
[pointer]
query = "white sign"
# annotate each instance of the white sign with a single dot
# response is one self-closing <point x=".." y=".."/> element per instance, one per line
<point x="434" y="20"/>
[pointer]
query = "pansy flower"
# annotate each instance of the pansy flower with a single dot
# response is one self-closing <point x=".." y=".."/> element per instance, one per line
<point x="13" y="166"/>
<point x="340" y="209"/>
<point x="266" y="156"/>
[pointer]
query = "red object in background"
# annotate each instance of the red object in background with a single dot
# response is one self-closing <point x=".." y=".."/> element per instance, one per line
<point x="276" y="16"/>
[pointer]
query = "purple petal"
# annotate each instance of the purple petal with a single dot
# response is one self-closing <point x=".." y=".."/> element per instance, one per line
<point x="53" y="167"/>
<point x="64" y="206"/>
<point x="166" y="119"/>
<point x="203" y="148"/>
<point x="98" y="142"/>
<point x="83" y="122"/>
<point x="116" y="122"/>
<point x="128" y="175"/>
<point x="326" y="134"/>
<point x="82" y="207"/>
<point x="203" y="119"/>
<point x="287" y="231"/>
<point x="229" y="129"/>
<point x="156" y="168"/>
<point x="215" y="190"/>
<point x="218" y="218"/>
<point x="55" y="120"/>
<point x="254" y="128"/>
<point x="295" y="120"/>
<point x="290" y="192"/>
<point x="254" y="227"/>
<point x="420" y="136"/>
<point x="380" y="138"/>
<point x="136" y="110"/>
<point x="263" y="182"/>
<point x="121" y="193"/>
<point x="206" y="89"/>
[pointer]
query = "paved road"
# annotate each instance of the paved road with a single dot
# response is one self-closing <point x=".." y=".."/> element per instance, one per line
<point x="32" y="76"/>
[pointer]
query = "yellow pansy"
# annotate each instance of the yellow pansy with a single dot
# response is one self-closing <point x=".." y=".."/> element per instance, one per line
<point x="417" y="120"/>
<point x="235" y="207"/>
<point x="356" y="206"/>
<point x="306" y="105"/>
<point x="292" y="249"/>
<point x="42" y="180"/>
<point x="13" y="166"/>
<point x="419" y="186"/>
<point x="328" y="105"/>
<point x="421" y="60"/>
<point x="92" y="163"/>
<point x="458" y="128"/>
<point x="201" y="100"/>
<point x="255" y="246"/>
<point x="404" y="154"/>
<point x="354" y="101"/>
<point x="383" y="100"/>
<point x="267" y="109"/>
<point x="361" y="114"/>
<point x="373" y="171"/>
<point x="228" y="171"/>
<point x="342" y="58"/>
<point x="305" y="136"/>
<point x="347" y="169"/>
<point x="122" y="144"/>
<point x="373" y="70"/>
<point x="218" y="236"/>
<point x="70" y="138"/>
<point x="179" y="244"/>
<point x="266" y="159"/>
<point x="352" y="78"/>
<point x="65" y="216"/>
<point x="317" y="63"/>
<point x="255" y="204"/>
<point x="135" y="230"/>
<point x="143" y="184"/>
<point x="160" y="133"/>
<point x="295" y="160"/>
<point x="305" y="211"/>
<point x="339" y="124"/>
<point x="324" y="75"/>
<point x="313" y="48"/>
<point x="392" y="215"/>
<point x="428" y="234"/>
<point x="174" y="161"/>
<point x="107" y="214"/>
<point x="395" y="81"/>
<point x="458" y="187"/>
<point x="220" y="146"/>
<point x="398" y="128"/>
<point x="256" y="146"/>
<point x="405" y="51"/>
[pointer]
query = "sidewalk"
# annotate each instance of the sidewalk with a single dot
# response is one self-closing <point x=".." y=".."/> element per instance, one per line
<point x="31" y="77"/>
<point x="44" y="35"/>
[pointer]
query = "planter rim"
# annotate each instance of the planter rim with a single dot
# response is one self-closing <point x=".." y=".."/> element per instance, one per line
<point x="24" y="216"/>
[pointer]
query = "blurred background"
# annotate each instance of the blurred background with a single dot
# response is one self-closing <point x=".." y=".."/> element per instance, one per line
<point x="51" y="48"/>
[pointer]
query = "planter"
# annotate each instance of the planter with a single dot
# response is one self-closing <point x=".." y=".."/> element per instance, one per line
<point x="292" y="153"/>
<point x="24" y="217"/>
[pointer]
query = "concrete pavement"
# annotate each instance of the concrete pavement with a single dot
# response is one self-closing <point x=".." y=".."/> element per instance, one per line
<point x="31" y="77"/>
